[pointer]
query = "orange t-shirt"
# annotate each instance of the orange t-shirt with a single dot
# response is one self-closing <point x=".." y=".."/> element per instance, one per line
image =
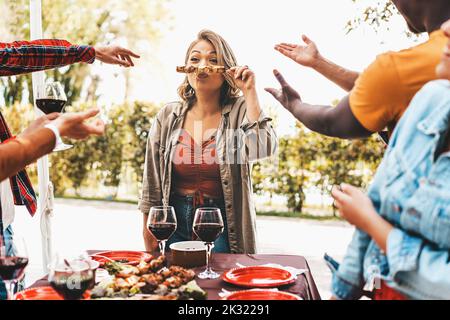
<point x="384" y="90"/>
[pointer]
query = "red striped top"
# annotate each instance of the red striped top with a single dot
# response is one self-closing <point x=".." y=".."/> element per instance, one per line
<point x="196" y="167"/>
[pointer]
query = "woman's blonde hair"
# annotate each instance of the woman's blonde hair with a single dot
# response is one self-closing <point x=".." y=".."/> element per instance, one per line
<point x="225" y="57"/>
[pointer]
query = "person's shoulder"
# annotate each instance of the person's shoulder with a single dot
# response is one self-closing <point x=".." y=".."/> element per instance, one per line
<point x="427" y="51"/>
<point x="381" y="71"/>
<point x="433" y="93"/>
<point x="430" y="102"/>
<point x="169" y="108"/>
<point x="433" y="96"/>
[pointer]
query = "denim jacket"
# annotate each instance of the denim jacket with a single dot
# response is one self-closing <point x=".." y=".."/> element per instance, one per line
<point x="411" y="190"/>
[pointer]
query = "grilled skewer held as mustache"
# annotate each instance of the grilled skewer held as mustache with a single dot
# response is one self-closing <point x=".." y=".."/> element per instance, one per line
<point x="198" y="70"/>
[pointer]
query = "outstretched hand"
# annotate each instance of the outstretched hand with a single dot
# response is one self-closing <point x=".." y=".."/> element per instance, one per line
<point x="115" y="55"/>
<point x="287" y="96"/>
<point x="74" y="125"/>
<point x="306" y="55"/>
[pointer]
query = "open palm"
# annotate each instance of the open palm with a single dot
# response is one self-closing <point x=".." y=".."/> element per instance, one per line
<point x="306" y="55"/>
<point x="287" y="96"/>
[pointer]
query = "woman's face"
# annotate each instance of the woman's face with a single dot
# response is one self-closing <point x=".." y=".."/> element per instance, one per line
<point x="443" y="69"/>
<point x="204" y="54"/>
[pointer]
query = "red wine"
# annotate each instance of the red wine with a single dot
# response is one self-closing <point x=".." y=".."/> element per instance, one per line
<point x="162" y="231"/>
<point x="12" y="268"/>
<point x="208" y="232"/>
<point x="50" y="105"/>
<point x="71" y="287"/>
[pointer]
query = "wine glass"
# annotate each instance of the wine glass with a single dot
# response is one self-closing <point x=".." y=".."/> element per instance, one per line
<point x="208" y="225"/>
<point x="53" y="100"/>
<point x="162" y="223"/>
<point x="13" y="261"/>
<point x="71" y="275"/>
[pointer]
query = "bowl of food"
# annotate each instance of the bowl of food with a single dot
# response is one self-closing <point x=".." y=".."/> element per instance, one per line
<point x="188" y="254"/>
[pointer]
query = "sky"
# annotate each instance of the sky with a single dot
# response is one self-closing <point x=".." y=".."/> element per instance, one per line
<point x="252" y="28"/>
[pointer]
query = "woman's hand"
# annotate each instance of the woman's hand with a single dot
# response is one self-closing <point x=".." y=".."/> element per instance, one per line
<point x="354" y="206"/>
<point x="244" y="78"/>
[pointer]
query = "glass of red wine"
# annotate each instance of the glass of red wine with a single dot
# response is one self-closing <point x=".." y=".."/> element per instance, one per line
<point x="71" y="275"/>
<point x="53" y="100"/>
<point x="13" y="261"/>
<point x="162" y="223"/>
<point x="208" y="225"/>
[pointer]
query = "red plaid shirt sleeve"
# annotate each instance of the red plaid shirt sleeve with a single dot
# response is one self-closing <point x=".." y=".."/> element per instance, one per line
<point x="28" y="56"/>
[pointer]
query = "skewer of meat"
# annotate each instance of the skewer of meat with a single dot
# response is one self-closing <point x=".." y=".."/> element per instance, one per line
<point x="204" y="69"/>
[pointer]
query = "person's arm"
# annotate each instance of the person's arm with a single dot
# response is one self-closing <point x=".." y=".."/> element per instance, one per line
<point x="331" y="121"/>
<point x="308" y="55"/>
<point x="17" y="153"/>
<point x="414" y="264"/>
<point x="257" y="133"/>
<point x="28" y="56"/>
<point x="418" y="269"/>
<point x="37" y="141"/>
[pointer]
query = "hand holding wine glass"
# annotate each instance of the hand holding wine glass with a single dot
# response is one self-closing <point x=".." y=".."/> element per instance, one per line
<point x="162" y="223"/>
<point x="208" y="225"/>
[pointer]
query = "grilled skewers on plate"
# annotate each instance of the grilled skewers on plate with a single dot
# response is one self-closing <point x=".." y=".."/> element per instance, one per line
<point x="148" y="278"/>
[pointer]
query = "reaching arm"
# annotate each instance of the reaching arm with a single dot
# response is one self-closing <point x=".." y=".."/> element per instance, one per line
<point x="336" y="121"/>
<point x="16" y="154"/>
<point x="28" y="56"/>
<point x="38" y="141"/>
<point x="344" y="78"/>
<point x="308" y="55"/>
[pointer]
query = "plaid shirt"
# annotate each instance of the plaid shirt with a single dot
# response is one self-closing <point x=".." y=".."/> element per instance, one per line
<point x="27" y="56"/>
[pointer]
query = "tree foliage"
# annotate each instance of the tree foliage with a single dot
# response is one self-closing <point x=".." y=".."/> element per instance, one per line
<point x="128" y="22"/>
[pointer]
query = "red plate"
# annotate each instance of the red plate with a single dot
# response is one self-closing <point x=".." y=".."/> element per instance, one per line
<point x="133" y="257"/>
<point x="261" y="295"/>
<point x="41" y="293"/>
<point x="259" y="277"/>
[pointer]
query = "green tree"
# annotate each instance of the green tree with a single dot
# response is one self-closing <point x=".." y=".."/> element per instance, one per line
<point x="139" y="123"/>
<point x="128" y="22"/>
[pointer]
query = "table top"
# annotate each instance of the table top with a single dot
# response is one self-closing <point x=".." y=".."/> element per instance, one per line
<point x="304" y="286"/>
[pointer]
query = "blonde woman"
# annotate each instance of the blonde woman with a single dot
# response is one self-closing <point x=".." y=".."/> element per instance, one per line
<point x="199" y="150"/>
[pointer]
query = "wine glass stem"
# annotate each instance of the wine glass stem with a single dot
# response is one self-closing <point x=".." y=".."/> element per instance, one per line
<point x="10" y="286"/>
<point x="162" y="247"/>
<point x="208" y="256"/>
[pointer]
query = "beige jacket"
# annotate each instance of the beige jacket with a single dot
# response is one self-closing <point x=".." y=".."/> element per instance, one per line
<point x="238" y="144"/>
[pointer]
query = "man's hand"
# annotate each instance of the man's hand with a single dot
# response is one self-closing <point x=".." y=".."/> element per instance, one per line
<point x="115" y="55"/>
<point x="307" y="55"/>
<point x="287" y="96"/>
<point x="73" y="125"/>
<point x="354" y="206"/>
<point x="39" y="123"/>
